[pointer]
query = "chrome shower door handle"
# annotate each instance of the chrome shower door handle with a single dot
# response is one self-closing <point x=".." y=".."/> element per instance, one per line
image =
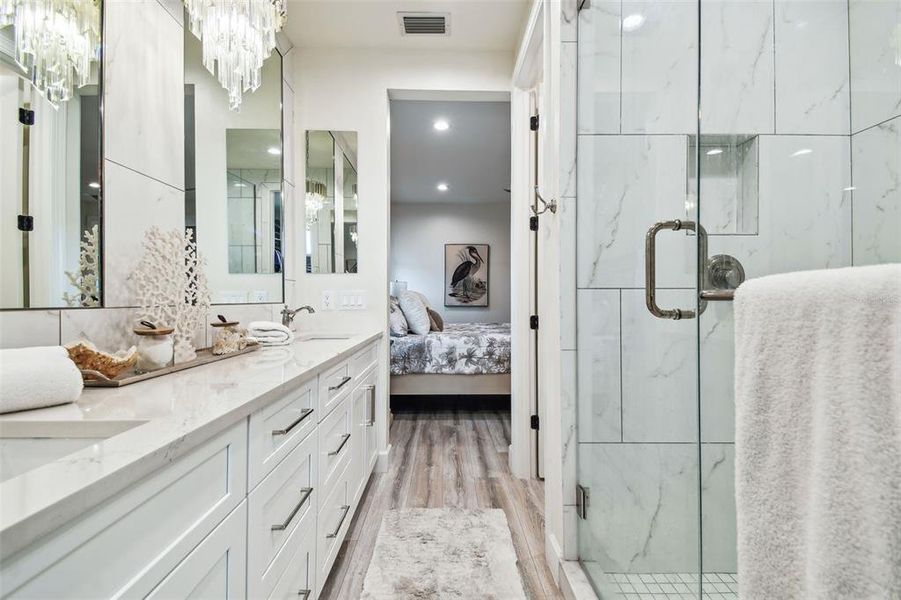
<point x="650" y="267"/>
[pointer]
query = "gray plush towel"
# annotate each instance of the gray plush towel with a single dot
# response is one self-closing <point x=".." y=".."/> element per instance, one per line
<point x="818" y="435"/>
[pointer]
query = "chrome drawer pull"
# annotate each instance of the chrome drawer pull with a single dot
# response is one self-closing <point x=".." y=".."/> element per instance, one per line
<point x="345" y="437"/>
<point x="334" y="534"/>
<point x="305" y="493"/>
<point x="371" y="390"/>
<point x="304" y="593"/>
<point x="332" y="388"/>
<point x="303" y="415"/>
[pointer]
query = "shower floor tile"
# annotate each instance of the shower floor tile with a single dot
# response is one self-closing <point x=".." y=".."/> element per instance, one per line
<point x="674" y="586"/>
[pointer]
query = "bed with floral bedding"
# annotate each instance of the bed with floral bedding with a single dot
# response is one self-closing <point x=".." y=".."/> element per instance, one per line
<point x="461" y="349"/>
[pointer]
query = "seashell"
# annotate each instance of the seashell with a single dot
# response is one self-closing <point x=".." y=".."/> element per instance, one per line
<point x="87" y="357"/>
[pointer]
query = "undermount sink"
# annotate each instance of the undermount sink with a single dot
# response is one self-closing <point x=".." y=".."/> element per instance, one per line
<point x="27" y="445"/>
<point x="314" y="337"/>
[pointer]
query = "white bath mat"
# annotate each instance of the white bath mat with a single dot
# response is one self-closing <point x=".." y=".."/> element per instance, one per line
<point x="437" y="553"/>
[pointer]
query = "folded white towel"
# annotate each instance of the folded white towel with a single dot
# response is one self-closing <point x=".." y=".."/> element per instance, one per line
<point x="268" y="333"/>
<point x="818" y="434"/>
<point x="37" y="377"/>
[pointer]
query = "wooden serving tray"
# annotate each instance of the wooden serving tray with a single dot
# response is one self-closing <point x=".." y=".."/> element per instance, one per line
<point x="204" y="357"/>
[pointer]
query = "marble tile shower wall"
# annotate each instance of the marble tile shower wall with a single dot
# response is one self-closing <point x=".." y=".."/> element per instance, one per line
<point x="816" y="80"/>
<point x="144" y="174"/>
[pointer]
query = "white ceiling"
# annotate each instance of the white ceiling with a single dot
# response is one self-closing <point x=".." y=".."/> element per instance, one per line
<point x="474" y="24"/>
<point x="472" y="157"/>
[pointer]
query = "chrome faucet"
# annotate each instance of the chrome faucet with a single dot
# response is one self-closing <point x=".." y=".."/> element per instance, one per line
<point x="288" y="314"/>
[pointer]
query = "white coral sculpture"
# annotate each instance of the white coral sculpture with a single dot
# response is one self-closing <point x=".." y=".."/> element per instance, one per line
<point x="172" y="288"/>
<point x="87" y="279"/>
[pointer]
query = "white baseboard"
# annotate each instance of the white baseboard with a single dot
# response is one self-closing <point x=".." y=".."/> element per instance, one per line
<point x="384" y="460"/>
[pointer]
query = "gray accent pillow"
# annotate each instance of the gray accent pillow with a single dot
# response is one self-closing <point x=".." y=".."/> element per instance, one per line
<point x="416" y="313"/>
<point x="435" y="319"/>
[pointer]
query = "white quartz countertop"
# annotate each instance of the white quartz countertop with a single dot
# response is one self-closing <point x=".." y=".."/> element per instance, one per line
<point x="177" y="413"/>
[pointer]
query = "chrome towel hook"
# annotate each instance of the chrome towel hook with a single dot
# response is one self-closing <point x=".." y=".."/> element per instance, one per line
<point x="546" y="205"/>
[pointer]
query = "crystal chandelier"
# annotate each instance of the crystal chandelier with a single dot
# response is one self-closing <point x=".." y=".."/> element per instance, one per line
<point x="316" y="193"/>
<point x="56" y="42"/>
<point x="237" y="36"/>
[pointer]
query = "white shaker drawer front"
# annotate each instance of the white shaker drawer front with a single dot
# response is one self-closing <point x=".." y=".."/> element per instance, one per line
<point x="334" y="521"/>
<point x="364" y="359"/>
<point x="297" y="561"/>
<point x="277" y="428"/>
<point x="283" y="502"/>
<point x="215" y="569"/>
<point x="333" y="387"/>
<point x="335" y="447"/>
<point x="128" y="544"/>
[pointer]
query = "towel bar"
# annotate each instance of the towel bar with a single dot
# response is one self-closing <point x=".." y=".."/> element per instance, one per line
<point x="718" y="295"/>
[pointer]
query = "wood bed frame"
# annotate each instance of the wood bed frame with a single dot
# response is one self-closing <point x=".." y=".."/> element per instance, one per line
<point x="450" y="385"/>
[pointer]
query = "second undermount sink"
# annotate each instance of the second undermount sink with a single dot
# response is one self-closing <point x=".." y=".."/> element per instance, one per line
<point x="315" y="337"/>
<point x="27" y="445"/>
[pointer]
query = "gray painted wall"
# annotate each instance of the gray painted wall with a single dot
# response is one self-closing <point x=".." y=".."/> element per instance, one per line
<point x="418" y="235"/>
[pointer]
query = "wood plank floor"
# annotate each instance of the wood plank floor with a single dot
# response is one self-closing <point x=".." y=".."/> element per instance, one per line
<point x="448" y="459"/>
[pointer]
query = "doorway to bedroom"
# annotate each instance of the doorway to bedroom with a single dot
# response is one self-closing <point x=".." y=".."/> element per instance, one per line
<point x="450" y="261"/>
<point x="449" y="265"/>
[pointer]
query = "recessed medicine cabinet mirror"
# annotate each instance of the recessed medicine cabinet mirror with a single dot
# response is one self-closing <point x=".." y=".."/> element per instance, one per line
<point x="50" y="172"/>
<point x="331" y="202"/>
<point x="233" y="181"/>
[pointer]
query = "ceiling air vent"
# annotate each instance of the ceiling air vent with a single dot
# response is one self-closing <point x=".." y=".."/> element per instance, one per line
<point x="417" y="23"/>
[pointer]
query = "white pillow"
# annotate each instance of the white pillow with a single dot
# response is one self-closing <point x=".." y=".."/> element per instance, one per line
<point x="397" y="322"/>
<point x="415" y="312"/>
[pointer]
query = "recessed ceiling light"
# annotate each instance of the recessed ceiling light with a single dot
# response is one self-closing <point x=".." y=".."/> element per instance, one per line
<point x="240" y="185"/>
<point x="714" y="152"/>
<point x="442" y="187"/>
<point x="274" y="150"/>
<point x="441" y="125"/>
<point x="633" y="22"/>
<point x="94" y="185"/>
<point x="802" y="152"/>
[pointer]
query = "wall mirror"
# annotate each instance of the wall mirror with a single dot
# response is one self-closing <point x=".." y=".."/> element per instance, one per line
<point x="331" y="201"/>
<point x="233" y="181"/>
<point x="50" y="172"/>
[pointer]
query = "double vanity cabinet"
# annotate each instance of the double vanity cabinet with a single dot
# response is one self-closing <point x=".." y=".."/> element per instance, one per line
<point x="258" y="510"/>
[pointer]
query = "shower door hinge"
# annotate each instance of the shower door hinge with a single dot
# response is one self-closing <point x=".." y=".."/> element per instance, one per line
<point x="26" y="223"/>
<point x="581" y="501"/>
<point x="533" y="322"/>
<point x="533" y="123"/>
<point x="26" y="116"/>
<point x="534" y="422"/>
<point x="533" y="223"/>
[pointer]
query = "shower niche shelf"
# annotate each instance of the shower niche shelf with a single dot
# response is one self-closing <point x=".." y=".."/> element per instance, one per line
<point x="729" y="191"/>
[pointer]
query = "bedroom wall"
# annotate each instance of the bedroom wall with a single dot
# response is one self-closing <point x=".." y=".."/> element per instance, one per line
<point x="418" y="235"/>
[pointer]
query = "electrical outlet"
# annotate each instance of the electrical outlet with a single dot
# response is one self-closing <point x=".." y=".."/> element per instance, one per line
<point x="328" y="300"/>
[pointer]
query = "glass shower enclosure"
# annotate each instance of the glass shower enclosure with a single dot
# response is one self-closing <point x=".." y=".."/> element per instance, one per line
<point x="718" y="140"/>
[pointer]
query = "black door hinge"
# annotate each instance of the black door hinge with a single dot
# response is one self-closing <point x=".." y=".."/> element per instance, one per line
<point x="533" y="322"/>
<point x="26" y="116"/>
<point x="533" y="123"/>
<point x="26" y="223"/>
<point x="533" y="422"/>
<point x="533" y="223"/>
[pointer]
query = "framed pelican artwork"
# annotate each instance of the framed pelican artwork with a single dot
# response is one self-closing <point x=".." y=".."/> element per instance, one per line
<point x="466" y="275"/>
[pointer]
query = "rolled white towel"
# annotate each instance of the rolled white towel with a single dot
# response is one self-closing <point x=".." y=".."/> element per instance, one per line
<point x="37" y="377"/>
<point x="268" y="333"/>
